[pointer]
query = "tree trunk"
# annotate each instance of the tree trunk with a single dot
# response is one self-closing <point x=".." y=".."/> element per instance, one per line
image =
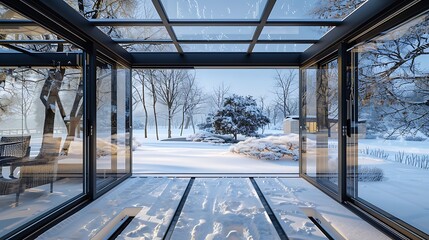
<point x="169" y="122"/>
<point x="183" y="121"/>
<point x="193" y="125"/>
<point x="49" y="97"/>
<point x="235" y="136"/>
<point x="145" y="111"/>
<point x="26" y="124"/>
<point x="154" y="106"/>
<point x="188" y="121"/>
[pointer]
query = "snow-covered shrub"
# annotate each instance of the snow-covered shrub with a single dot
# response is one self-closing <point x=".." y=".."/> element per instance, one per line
<point x="370" y="136"/>
<point x="269" y="148"/>
<point x="370" y="174"/>
<point x="378" y="153"/>
<point x="420" y="161"/>
<point x="209" y="137"/>
<point x="414" y="138"/>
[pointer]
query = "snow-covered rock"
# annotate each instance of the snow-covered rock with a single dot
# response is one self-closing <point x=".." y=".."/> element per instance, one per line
<point x="269" y="148"/>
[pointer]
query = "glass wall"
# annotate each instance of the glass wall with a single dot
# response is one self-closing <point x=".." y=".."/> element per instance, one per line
<point x="320" y="123"/>
<point x="389" y="151"/>
<point x="41" y="142"/>
<point x="113" y="123"/>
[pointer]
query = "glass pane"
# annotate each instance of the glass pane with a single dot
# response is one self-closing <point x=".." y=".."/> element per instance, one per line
<point x="320" y="130"/>
<point x="41" y="142"/>
<point x="214" y="47"/>
<point x="308" y="9"/>
<point x="21" y="33"/>
<point x="309" y="127"/>
<point x="292" y="33"/>
<point x="145" y="33"/>
<point x="220" y="9"/>
<point x="119" y="9"/>
<point x="214" y="33"/>
<point x="46" y="47"/>
<point x="389" y="147"/>
<point x="113" y="149"/>
<point x="281" y="47"/>
<point x="149" y="47"/>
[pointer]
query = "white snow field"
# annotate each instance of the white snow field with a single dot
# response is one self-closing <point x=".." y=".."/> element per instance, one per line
<point x="199" y="157"/>
<point x="216" y="208"/>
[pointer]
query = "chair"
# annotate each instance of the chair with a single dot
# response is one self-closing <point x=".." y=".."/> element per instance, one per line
<point x="18" y="150"/>
<point x="43" y="169"/>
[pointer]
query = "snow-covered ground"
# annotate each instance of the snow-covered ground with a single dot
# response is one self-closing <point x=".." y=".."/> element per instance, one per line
<point x="216" y="208"/>
<point x="198" y="157"/>
<point x="404" y="190"/>
<point x="226" y="208"/>
<point x="158" y="198"/>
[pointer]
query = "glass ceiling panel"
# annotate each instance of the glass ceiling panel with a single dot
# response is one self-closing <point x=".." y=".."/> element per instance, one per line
<point x="215" y="10"/>
<point x="119" y="9"/>
<point x="214" y="47"/>
<point x="144" y="33"/>
<point x="214" y="33"/>
<point x="149" y="47"/>
<point x="313" y="9"/>
<point x="293" y="33"/>
<point x="47" y="47"/>
<point x="281" y="47"/>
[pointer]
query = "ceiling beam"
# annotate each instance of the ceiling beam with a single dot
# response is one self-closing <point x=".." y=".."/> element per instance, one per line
<point x="265" y="14"/>
<point x="45" y="59"/>
<point x="190" y="60"/>
<point x="166" y="23"/>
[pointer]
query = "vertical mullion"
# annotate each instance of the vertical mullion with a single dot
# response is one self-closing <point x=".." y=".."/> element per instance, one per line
<point x="128" y="121"/>
<point x="342" y="121"/>
<point x="91" y="123"/>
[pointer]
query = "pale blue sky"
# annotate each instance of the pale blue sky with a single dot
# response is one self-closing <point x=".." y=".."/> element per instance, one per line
<point x="255" y="82"/>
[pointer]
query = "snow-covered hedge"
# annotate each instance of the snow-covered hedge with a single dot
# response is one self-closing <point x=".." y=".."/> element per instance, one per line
<point x="209" y="137"/>
<point x="269" y="148"/>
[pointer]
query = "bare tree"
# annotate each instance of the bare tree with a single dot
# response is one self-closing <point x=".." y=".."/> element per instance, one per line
<point x="169" y="91"/>
<point x="393" y="82"/>
<point x="140" y="79"/>
<point x="284" y="91"/>
<point x="191" y="99"/>
<point x="218" y="97"/>
<point x="151" y="85"/>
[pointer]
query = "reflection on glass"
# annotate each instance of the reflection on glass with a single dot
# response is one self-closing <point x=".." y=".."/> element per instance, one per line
<point x="41" y="142"/>
<point x="292" y="33"/>
<point x="216" y="10"/>
<point x="320" y="129"/>
<point x="119" y="9"/>
<point x="308" y="9"/>
<point x="389" y="148"/>
<point x="144" y="33"/>
<point x="309" y="127"/>
<point x="214" y="33"/>
<point x="214" y="47"/>
<point x="149" y="47"/>
<point x="281" y="47"/>
<point x="113" y="145"/>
